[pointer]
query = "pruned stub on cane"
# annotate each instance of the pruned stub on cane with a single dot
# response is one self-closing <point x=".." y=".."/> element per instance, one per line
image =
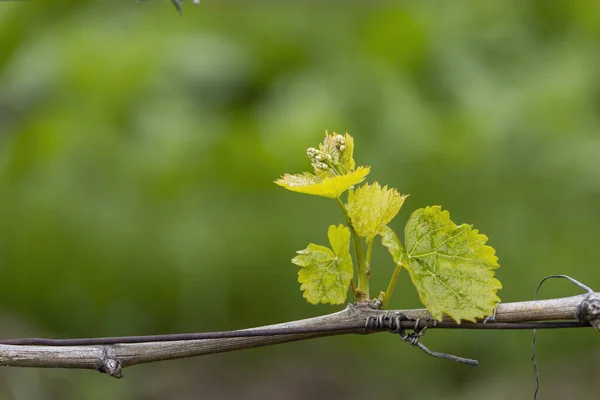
<point x="589" y="310"/>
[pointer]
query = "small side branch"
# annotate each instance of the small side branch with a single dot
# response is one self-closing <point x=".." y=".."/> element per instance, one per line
<point x="111" y="354"/>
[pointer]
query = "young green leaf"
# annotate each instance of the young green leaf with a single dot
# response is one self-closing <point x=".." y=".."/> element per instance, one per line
<point x="347" y="157"/>
<point x="331" y="187"/>
<point x="325" y="274"/>
<point x="391" y="241"/>
<point x="451" y="266"/>
<point x="372" y="207"/>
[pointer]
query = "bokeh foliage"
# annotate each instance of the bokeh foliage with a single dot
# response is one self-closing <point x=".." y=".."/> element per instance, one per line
<point x="138" y="150"/>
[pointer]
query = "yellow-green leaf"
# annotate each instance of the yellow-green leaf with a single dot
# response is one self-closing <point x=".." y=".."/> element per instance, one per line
<point x="347" y="158"/>
<point x="326" y="274"/>
<point x="451" y="266"/>
<point x="329" y="187"/>
<point x="372" y="207"/>
<point x="390" y="240"/>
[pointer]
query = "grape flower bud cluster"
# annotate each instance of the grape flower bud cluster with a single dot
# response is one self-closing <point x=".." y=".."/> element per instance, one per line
<point x="327" y="159"/>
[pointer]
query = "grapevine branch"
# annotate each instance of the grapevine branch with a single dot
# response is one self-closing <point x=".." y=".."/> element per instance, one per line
<point x="111" y="354"/>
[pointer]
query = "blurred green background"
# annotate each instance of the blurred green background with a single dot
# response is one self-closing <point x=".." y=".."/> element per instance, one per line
<point x="138" y="151"/>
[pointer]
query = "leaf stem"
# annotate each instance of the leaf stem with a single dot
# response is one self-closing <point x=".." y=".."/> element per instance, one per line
<point x="368" y="258"/>
<point x="390" y="289"/>
<point x="362" y="288"/>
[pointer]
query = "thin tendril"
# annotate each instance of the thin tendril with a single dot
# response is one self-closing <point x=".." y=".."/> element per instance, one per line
<point x="535" y="365"/>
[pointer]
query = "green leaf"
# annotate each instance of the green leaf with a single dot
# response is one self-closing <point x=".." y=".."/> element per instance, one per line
<point x="332" y="187"/>
<point x="325" y="274"/>
<point x="347" y="157"/>
<point x="391" y="241"/>
<point x="451" y="266"/>
<point x="372" y="207"/>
